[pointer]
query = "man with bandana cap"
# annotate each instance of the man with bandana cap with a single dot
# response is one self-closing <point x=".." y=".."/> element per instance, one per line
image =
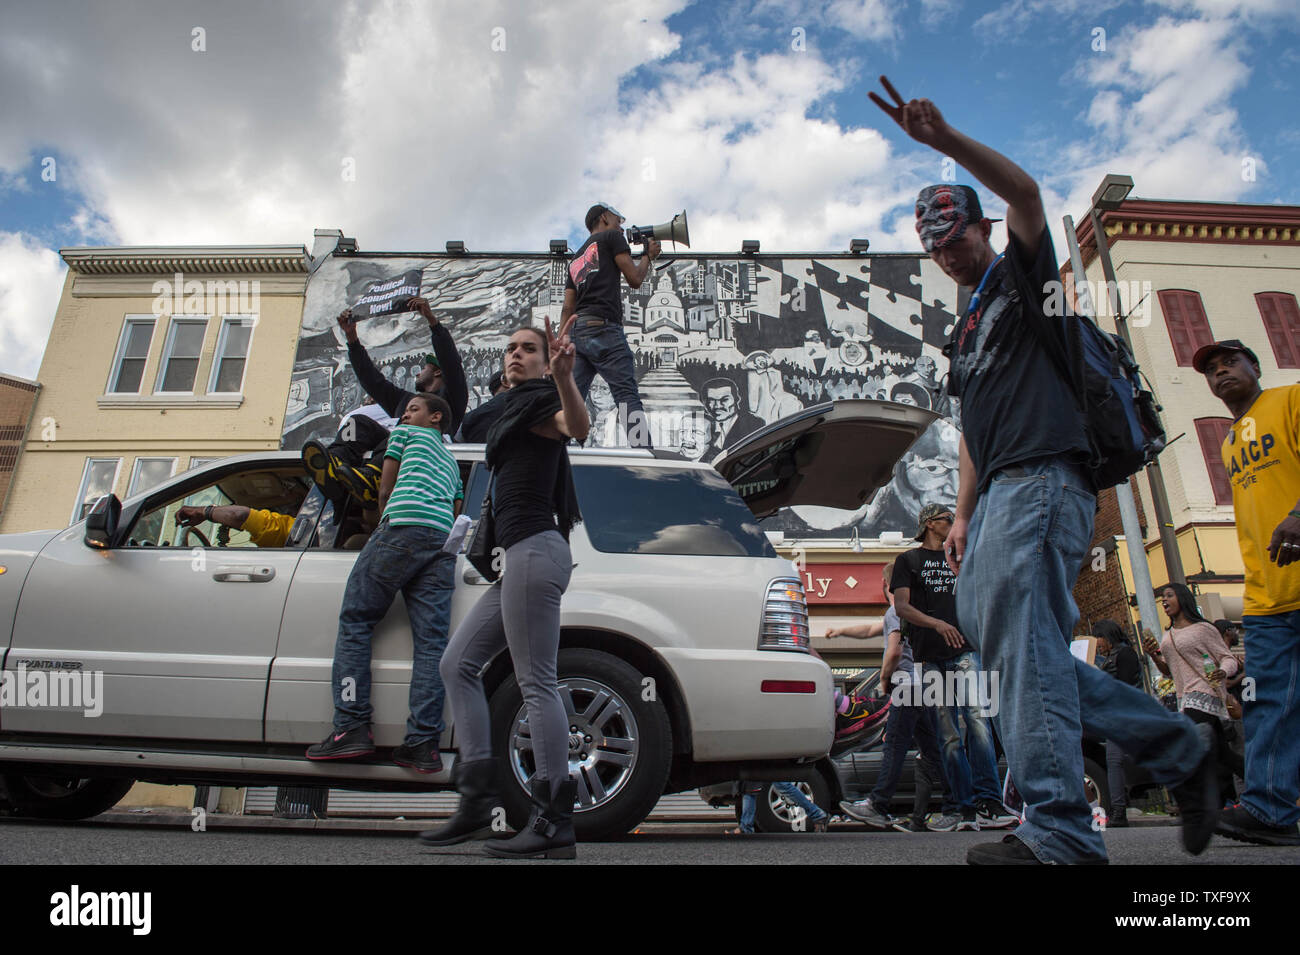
<point x="1024" y="518"/>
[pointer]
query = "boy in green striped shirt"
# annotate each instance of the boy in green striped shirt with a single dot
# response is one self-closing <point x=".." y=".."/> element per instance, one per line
<point x="418" y="497"/>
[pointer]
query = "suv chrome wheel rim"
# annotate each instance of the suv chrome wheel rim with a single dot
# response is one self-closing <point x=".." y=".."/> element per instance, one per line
<point x="603" y="742"/>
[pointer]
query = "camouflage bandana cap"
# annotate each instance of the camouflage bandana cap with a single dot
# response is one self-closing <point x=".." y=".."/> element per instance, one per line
<point x="929" y="513"/>
<point x="943" y="212"/>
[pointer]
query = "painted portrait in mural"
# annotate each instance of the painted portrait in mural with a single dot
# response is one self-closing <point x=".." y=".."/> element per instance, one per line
<point x="723" y="346"/>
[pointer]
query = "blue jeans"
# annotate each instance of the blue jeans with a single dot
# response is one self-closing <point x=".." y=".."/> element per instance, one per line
<point x="791" y="792"/>
<point x="603" y="349"/>
<point x="1272" y="718"/>
<point x="748" y="807"/>
<point x="408" y="558"/>
<point x="907" y="724"/>
<point x="1026" y="545"/>
<point x="970" y="762"/>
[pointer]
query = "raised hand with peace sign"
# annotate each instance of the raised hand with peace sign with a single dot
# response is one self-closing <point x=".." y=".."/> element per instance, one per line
<point x="562" y="350"/>
<point x="919" y="118"/>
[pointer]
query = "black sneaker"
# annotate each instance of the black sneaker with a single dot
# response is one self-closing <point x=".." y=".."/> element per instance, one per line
<point x="1241" y="824"/>
<point x="910" y="825"/>
<point x="358" y="741"/>
<point x="1010" y="851"/>
<point x="1198" y="797"/>
<point x="994" y="815"/>
<point x="969" y="821"/>
<point x="361" y="482"/>
<point x="320" y="465"/>
<point x="422" y="757"/>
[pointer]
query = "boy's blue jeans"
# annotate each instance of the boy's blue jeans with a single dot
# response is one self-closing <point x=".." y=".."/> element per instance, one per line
<point x="407" y="558"/>
<point x="1026" y="544"/>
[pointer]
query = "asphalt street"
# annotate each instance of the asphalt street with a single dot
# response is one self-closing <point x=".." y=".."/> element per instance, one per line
<point x="84" y="844"/>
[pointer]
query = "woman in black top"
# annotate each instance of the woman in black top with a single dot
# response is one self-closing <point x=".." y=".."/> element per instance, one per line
<point x="534" y="507"/>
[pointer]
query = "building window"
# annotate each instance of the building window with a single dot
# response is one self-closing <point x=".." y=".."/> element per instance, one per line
<point x="148" y="473"/>
<point x="1188" y="326"/>
<point x="99" y="478"/>
<point x="232" y="354"/>
<point x="132" y="352"/>
<point x="1212" y="431"/>
<point x="1282" y="323"/>
<point x="200" y="462"/>
<point x="180" y="362"/>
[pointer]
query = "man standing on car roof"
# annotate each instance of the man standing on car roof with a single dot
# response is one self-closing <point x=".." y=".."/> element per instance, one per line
<point x="1024" y="518"/>
<point x="593" y="290"/>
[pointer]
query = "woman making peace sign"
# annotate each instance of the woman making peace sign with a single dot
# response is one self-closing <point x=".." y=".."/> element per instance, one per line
<point x="534" y="506"/>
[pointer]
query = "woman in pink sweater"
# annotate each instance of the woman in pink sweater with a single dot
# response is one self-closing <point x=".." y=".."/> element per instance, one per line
<point x="1194" y="655"/>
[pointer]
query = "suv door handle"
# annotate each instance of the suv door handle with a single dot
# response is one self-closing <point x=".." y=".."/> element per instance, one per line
<point x="235" y="573"/>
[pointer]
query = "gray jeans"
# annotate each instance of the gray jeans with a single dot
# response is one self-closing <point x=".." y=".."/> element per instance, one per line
<point x="520" y="611"/>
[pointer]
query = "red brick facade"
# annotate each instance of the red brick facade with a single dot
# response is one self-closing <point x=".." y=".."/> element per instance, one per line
<point x="17" y="398"/>
<point x="1100" y="594"/>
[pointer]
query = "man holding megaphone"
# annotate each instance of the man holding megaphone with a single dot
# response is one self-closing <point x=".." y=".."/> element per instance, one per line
<point x="592" y="290"/>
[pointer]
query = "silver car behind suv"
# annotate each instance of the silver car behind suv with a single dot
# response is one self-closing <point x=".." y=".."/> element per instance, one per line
<point x="684" y="654"/>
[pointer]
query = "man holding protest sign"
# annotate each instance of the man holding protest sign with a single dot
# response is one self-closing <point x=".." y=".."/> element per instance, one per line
<point x="341" y="465"/>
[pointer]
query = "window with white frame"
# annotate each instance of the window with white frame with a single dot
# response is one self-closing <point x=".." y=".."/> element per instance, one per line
<point x="132" y="353"/>
<point x="180" y="361"/>
<point x="99" y="478"/>
<point x="148" y="473"/>
<point x="200" y="462"/>
<point x="232" y="354"/>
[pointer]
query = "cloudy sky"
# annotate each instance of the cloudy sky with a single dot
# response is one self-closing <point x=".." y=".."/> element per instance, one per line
<point x="406" y="123"/>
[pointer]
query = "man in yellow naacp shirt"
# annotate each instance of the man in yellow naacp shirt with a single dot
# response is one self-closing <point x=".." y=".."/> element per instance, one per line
<point x="266" y="528"/>
<point x="1262" y="456"/>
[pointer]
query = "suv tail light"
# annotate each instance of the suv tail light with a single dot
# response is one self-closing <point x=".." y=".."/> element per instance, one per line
<point x="785" y="617"/>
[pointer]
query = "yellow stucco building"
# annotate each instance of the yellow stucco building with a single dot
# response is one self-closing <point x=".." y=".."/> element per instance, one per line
<point x="1190" y="273"/>
<point x="158" y="359"/>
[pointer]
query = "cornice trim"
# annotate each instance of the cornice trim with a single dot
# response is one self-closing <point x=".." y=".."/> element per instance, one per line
<point x="195" y="260"/>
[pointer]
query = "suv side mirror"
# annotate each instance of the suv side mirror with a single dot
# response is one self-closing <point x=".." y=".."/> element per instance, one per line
<point x="101" y="522"/>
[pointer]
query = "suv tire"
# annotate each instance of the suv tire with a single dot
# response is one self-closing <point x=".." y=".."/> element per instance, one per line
<point x="54" y="797"/>
<point x="590" y="676"/>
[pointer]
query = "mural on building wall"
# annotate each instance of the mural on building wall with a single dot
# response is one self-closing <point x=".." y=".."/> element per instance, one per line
<point x="723" y="346"/>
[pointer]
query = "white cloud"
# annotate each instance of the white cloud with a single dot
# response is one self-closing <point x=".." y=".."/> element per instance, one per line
<point x="865" y="19"/>
<point x="1019" y="17"/>
<point x="31" y="279"/>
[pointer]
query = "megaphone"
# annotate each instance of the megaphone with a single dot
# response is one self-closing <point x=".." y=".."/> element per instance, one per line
<point x="674" y="231"/>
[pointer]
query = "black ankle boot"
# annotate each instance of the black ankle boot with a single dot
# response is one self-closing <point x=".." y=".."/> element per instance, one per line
<point x="549" y="834"/>
<point x="476" y="782"/>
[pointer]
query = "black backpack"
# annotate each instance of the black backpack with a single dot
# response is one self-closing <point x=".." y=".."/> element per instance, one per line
<point x="1120" y="414"/>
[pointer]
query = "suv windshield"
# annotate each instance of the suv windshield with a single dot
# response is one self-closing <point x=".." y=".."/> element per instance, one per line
<point x="652" y="510"/>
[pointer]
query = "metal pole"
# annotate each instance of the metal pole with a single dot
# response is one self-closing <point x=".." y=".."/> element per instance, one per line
<point x="1159" y="498"/>
<point x="1128" y="515"/>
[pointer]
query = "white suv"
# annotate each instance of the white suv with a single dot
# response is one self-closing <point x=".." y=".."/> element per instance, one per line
<point x="684" y="656"/>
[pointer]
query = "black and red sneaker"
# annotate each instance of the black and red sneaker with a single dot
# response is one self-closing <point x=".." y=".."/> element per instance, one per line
<point x="358" y="741"/>
<point x="422" y="757"/>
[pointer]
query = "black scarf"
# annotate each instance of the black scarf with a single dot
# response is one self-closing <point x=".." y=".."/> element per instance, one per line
<point x="528" y="404"/>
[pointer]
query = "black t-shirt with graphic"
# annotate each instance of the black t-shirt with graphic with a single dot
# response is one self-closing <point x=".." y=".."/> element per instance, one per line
<point x="931" y="585"/>
<point x="596" y="278"/>
<point x="1015" y="406"/>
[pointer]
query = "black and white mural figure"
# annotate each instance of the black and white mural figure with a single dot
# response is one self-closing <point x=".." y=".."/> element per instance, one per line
<point x="723" y="346"/>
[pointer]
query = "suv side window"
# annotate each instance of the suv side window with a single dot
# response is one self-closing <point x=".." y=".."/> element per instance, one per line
<point x="627" y="509"/>
<point x="278" y="490"/>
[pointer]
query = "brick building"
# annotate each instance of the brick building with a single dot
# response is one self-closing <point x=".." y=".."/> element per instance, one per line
<point x="17" y="402"/>
<point x="1102" y="591"/>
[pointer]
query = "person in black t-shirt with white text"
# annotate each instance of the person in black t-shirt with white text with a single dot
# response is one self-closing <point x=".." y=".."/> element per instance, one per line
<point x="593" y="292"/>
<point x="923" y="586"/>
<point x="1024" y="517"/>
